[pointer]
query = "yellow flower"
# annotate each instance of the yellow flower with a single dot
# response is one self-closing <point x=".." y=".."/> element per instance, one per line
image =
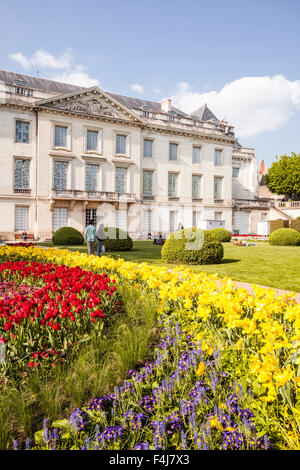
<point x="201" y="369"/>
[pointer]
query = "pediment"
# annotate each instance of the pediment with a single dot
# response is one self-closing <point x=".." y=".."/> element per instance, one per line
<point x="93" y="102"/>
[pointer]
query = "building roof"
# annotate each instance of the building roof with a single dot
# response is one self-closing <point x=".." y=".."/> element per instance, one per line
<point x="204" y="113"/>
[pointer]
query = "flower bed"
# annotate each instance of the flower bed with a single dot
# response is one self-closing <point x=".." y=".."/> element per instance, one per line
<point x="47" y="310"/>
<point x="256" y="339"/>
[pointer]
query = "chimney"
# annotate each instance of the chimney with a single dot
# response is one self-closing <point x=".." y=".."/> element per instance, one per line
<point x="166" y="105"/>
<point x="262" y="168"/>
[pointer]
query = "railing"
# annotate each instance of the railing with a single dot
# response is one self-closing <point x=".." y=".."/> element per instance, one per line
<point x="254" y="202"/>
<point x="288" y="204"/>
<point x="22" y="191"/>
<point x="96" y="195"/>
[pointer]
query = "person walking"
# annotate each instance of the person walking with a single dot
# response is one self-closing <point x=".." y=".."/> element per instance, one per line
<point x="101" y="236"/>
<point x="90" y="237"/>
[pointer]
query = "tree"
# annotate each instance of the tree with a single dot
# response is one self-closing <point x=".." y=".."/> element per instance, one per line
<point x="283" y="176"/>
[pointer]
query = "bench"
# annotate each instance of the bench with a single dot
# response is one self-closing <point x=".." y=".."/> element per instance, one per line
<point x="18" y="236"/>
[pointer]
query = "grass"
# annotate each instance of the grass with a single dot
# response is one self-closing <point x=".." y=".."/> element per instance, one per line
<point x="101" y="364"/>
<point x="274" y="266"/>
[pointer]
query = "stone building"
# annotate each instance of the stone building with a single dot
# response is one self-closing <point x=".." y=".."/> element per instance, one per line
<point x="70" y="154"/>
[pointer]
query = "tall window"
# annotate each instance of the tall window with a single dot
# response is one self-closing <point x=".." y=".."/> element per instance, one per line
<point x="91" y="214"/>
<point x="21" y="177"/>
<point x="92" y="140"/>
<point x="121" y="174"/>
<point x="60" y="218"/>
<point x="264" y="216"/>
<point x="173" y="221"/>
<point x="196" y="186"/>
<point x="22" y="132"/>
<point x="172" y="184"/>
<point x="218" y="157"/>
<point x="60" y="175"/>
<point x="91" y="177"/>
<point x="121" y="219"/>
<point x="147" y="183"/>
<point x="235" y="171"/>
<point x="218" y="187"/>
<point x="22" y="217"/>
<point x="147" y="226"/>
<point x="60" y="136"/>
<point x="196" y="154"/>
<point x="196" y="218"/>
<point x="121" y="144"/>
<point x="173" y="151"/>
<point x="148" y="145"/>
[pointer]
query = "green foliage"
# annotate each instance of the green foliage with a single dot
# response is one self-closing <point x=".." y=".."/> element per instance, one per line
<point x="277" y="224"/>
<point x="295" y="224"/>
<point x="67" y="236"/>
<point x="221" y="234"/>
<point x="192" y="246"/>
<point x="285" y="237"/>
<point x="117" y="240"/>
<point x="284" y="176"/>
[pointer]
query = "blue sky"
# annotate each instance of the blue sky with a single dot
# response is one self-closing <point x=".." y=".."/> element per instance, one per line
<point x="240" y="57"/>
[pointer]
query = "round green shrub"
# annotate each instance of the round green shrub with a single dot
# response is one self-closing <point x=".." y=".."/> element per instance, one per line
<point x="192" y="246"/>
<point x="117" y="240"/>
<point x="285" y="237"/>
<point x="67" y="236"/>
<point x="221" y="234"/>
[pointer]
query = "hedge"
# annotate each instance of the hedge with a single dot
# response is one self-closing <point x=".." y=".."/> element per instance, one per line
<point x="117" y="240"/>
<point x="221" y="234"/>
<point x="67" y="236"/>
<point x="277" y="224"/>
<point x="192" y="246"/>
<point x="285" y="237"/>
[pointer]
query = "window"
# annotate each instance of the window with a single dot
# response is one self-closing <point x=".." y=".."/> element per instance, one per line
<point x="60" y="218"/>
<point x="148" y="144"/>
<point x="172" y="184"/>
<point x="22" y="217"/>
<point x="264" y="216"/>
<point x="218" y="157"/>
<point x="235" y="171"/>
<point x="147" y="183"/>
<point x="196" y="218"/>
<point x="121" y="174"/>
<point x="91" y="214"/>
<point x="196" y="154"/>
<point x="196" y="186"/>
<point x="121" y="219"/>
<point x="173" y="151"/>
<point x="91" y="177"/>
<point x="60" y="175"/>
<point x="60" y="136"/>
<point x="92" y="140"/>
<point x="147" y="221"/>
<point x="218" y="215"/>
<point x="173" y="221"/>
<point x="21" y="177"/>
<point x="218" y="187"/>
<point x="121" y="144"/>
<point x="22" y="132"/>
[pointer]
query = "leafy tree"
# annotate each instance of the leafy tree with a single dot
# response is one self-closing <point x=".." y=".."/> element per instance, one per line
<point x="283" y="177"/>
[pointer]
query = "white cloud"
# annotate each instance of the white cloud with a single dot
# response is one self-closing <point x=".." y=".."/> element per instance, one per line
<point x="137" y="88"/>
<point x="70" y="72"/>
<point x="251" y="104"/>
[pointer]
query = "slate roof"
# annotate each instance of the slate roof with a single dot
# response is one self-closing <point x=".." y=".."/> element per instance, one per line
<point x="204" y="113"/>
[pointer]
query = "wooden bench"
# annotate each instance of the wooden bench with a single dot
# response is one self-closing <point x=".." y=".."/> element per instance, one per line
<point x="18" y="236"/>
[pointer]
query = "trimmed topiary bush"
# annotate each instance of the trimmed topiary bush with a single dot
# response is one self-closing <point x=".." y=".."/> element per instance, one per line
<point x="117" y="240"/>
<point x="220" y="234"/>
<point x="192" y="246"/>
<point x="285" y="237"/>
<point x="67" y="236"/>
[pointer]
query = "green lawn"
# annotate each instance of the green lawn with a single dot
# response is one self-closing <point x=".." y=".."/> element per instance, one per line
<point x="274" y="266"/>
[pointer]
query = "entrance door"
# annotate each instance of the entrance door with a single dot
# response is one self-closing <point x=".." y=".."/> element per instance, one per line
<point x="241" y="222"/>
